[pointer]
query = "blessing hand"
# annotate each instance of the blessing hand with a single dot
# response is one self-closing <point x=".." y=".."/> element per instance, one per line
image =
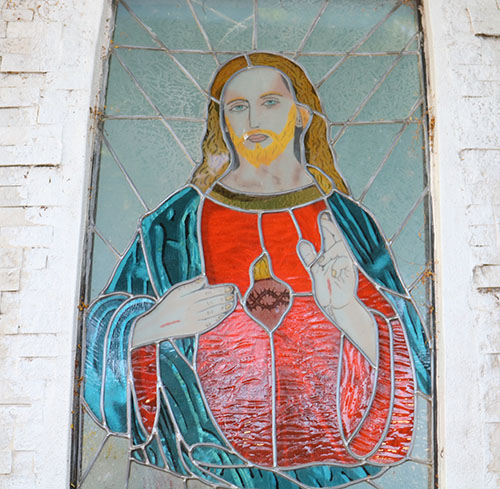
<point x="185" y="310"/>
<point x="332" y="269"/>
<point x="334" y="279"/>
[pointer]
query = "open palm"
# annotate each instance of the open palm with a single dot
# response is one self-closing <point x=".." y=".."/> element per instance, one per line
<point x="332" y="269"/>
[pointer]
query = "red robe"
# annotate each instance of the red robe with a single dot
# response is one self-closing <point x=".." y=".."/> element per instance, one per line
<point x="235" y="364"/>
<point x="235" y="359"/>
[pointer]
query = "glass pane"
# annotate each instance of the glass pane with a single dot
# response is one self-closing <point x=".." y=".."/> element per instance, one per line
<point x="228" y="24"/>
<point x="263" y="178"/>
<point x="399" y="183"/>
<point x="282" y="26"/>
<point x="360" y="151"/>
<point x="361" y="74"/>
<point x="346" y="24"/>
<point x="104" y="261"/>
<point x="118" y="209"/>
<point x="164" y="82"/>
<point x="92" y="440"/>
<point x="124" y="97"/>
<point x="153" y="159"/>
<point x="111" y="467"/>
<point x="142" y="477"/>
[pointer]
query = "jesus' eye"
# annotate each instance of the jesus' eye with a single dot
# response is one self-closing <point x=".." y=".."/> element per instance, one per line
<point x="238" y="108"/>
<point x="270" y="102"/>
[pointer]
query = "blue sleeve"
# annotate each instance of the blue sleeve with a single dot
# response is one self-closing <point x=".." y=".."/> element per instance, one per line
<point x="164" y="252"/>
<point x="370" y="250"/>
<point x="108" y="327"/>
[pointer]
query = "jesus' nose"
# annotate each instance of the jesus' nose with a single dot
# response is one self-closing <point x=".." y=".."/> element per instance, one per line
<point x="253" y="119"/>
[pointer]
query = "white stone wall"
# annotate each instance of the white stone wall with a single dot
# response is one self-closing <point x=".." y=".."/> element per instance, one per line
<point x="464" y="71"/>
<point x="51" y="53"/>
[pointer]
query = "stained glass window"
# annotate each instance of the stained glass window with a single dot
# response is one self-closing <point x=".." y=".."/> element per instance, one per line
<point x="259" y="273"/>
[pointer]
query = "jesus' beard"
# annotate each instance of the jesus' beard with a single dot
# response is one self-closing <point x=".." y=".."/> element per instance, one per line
<point x="265" y="155"/>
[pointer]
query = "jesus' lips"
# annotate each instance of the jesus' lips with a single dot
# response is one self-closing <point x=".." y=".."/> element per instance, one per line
<point x="257" y="137"/>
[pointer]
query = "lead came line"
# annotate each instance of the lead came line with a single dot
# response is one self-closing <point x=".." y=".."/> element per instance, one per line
<point x="208" y="52"/>
<point x="160" y="43"/>
<point x="377" y="122"/>
<point x="106" y="242"/>
<point x="409" y="215"/>
<point x="151" y="118"/>
<point x="311" y="29"/>
<point x="122" y="169"/>
<point x="203" y="32"/>
<point x="219" y="14"/>
<point x="374" y="90"/>
<point x="390" y="150"/>
<point x="373" y="484"/>
<point x="273" y="400"/>
<point x="254" y="26"/>
<point x="356" y="46"/>
<point x="163" y="120"/>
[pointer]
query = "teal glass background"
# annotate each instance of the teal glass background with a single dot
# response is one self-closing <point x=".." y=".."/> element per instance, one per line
<point x="363" y="55"/>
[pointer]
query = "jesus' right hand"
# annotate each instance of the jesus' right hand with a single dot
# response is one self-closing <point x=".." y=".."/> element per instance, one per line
<point x="185" y="310"/>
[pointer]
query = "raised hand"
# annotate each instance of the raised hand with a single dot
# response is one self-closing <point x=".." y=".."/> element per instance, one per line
<point x="332" y="269"/>
<point x="186" y="309"/>
<point x="334" y="277"/>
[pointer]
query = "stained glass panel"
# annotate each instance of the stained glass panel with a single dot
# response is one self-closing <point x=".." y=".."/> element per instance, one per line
<point x="260" y="292"/>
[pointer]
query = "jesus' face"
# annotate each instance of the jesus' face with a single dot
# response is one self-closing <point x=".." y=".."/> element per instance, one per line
<point x="260" y="114"/>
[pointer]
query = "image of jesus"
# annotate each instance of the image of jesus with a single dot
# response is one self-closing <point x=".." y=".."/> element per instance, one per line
<point x="256" y="334"/>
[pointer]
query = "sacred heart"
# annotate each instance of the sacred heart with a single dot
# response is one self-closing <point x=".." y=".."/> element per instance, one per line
<point x="267" y="301"/>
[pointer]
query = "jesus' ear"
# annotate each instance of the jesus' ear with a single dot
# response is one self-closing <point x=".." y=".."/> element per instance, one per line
<point x="304" y="116"/>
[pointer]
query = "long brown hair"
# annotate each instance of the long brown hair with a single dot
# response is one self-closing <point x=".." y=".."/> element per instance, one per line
<point x="319" y="156"/>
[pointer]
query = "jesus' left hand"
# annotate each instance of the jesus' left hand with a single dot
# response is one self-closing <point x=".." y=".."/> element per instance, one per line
<point x="334" y="277"/>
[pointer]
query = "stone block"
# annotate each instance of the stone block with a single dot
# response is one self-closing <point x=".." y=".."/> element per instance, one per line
<point x="484" y="17"/>
<point x="10" y="257"/>
<point x="9" y="279"/>
<point x="487" y="276"/>
<point x="35" y="258"/>
<point x="13" y="481"/>
<point x="15" y="46"/>
<point x="3" y="28"/>
<point x="23" y="462"/>
<point x="22" y="80"/>
<point x="493" y="449"/>
<point x="38" y="369"/>
<point x="36" y="236"/>
<point x="14" y="176"/>
<point x="45" y="55"/>
<point x="53" y="105"/>
<point x="18" y="97"/>
<point x="20" y="387"/>
<point x="5" y="461"/>
<point x="7" y="422"/>
<point x="12" y="136"/>
<point x="9" y="325"/>
<point x="491" y="383"/>
<point x="29" y="427"/>
<point x="12" y="196"/>
<point x="13" y="216"/>
<point x="29" y="345"/>
<point x="15" y="116"/>
<point x="48" y="187"/>
<point x="17" y="15"/>
<point x="44" y="151"/>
